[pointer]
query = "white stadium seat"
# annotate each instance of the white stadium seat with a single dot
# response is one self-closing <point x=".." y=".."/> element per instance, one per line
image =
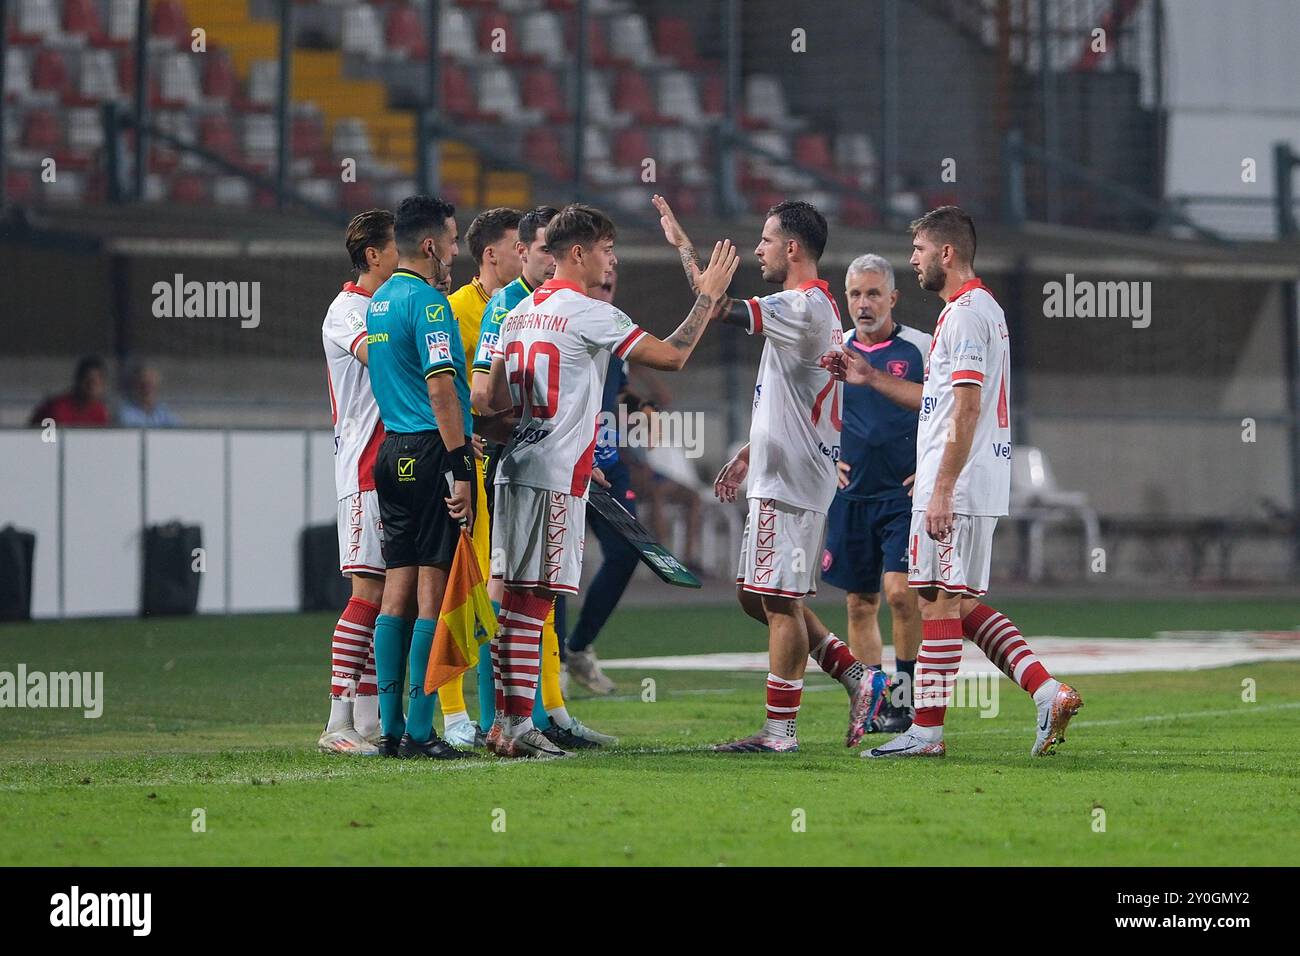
<point x="455" y="32"/>
<point x="178" y="79"/>
<point x="600" y="105"/>
<point x="263" y="79"/>
<point x="629" y="39"/>
<point x="37" y="18"/>
<point x="679" y="97"/>
<point x="498" y="93"/>
<point x="542" y="34"/>
<point x="363" y="33"/>
<point x="98" y="77"/>
<point x="351" y="138"/>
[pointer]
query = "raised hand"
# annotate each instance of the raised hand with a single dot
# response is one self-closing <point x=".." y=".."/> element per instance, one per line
<point x="673" y="230"/>
<point x="714" y="280"/>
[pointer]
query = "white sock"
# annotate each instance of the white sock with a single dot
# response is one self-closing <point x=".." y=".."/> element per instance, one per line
<point x="365" y="714"/>
<point x="340" y="714"/>
<point x="928" y="734"/>
<point x="1047" y="691"/>
<point x="778" y="728"/>
<point x="559" y="716"/>
<point x="517" y="726"/>
<point x="454" y="720"/>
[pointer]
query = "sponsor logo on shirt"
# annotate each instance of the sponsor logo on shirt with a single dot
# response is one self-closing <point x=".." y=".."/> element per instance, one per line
<point x="374" y="337"/>
<point x="435" y="313"/>
<point x="380" y="307"/>
<point x="406" y="469"/>
<point x="356" y="320"/>
<point x="969" y="351"/>
<point x="1002" y="449"/>
<point x="439" y="347"/>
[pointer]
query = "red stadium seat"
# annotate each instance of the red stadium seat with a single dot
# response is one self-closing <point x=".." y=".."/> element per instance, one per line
<point x="542" y="149"/>
<point x="674" y="40"/>
<point x="487" y="23"/>
<point x="20" y="186"/>
<point x="814" y="151"/>
<point x="631" y="147"/>
<point x="218" y="136"/>
<point x="307" y="136"/>
<point x="41" y="131"/>
<point x="632" y="94"/>
<point x="406" y="33"/>
<point x="188" y="188"/>
<point x="50" y="72"/>
<point x="597" y="48"/>
<point x="715" y="94"/>
<point x="168" y="20"/>
<point x="219" y="79"/>
<point x="358" y="196"/>
<point x="857" y="212"/>
<point x="458" y="97"/>
<point x="541" y="91"/>
<point x="81" y="18"/>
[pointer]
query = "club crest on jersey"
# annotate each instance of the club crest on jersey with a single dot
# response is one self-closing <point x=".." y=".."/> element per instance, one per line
<point x="356" y="320"/>
<point x="438" y="345"/>
<point x="897" y="368"/>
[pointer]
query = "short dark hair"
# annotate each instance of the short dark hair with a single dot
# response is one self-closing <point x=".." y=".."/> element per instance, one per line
<point x="577" y="224"/>
<point x="488" y="227"/>
<point x="417" y="217"/>
<point x="87" y="364"/>
<point x="539" y="217"/>
<point x="372" y="228"/>
<point x="949" y="225"/>
<point x="802" y="222"/>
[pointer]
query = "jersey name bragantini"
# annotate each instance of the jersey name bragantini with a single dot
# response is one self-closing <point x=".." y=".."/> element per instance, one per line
<point x="970" y="346"/>
<point x="556" y="345"/>
<point x="794" y="434"/>
<point x="357" y="429"/>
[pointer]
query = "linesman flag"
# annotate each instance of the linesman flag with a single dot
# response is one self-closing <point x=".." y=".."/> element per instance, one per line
<point x="466" y="620"/>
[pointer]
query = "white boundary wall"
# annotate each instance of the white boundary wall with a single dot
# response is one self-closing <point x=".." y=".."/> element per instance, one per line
<point x="89" y="493"/>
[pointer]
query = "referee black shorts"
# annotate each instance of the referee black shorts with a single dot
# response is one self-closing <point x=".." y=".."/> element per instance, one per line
<point x="411" y="482"/>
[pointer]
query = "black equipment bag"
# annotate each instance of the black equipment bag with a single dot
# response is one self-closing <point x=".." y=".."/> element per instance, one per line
<point x="172" y="561"/>
<point x="324" y="588"/>
<point x="17" y="555"/>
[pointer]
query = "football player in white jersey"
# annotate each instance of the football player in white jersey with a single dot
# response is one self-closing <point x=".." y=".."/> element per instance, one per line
<point x="790" y="461"/>
<point x="549" y="369"/>
<point x="963" y="482"/>
<point x="354" y="704"/>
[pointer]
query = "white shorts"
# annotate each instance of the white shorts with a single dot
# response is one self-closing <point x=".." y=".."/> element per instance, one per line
<point x="537" y="538"/>
<point x="360" y="534"/>
<point x="781" y="549"/>
<point x="960" y="564"/>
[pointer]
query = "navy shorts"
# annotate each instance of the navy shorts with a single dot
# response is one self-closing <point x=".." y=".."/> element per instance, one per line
<point x="864" y="538"/>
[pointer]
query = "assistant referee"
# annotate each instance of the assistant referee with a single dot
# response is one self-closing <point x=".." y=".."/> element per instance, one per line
<point x="418" y="375"/>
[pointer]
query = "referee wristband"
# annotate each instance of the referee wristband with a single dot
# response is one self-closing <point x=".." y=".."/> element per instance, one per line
<point x="462" y="463"/>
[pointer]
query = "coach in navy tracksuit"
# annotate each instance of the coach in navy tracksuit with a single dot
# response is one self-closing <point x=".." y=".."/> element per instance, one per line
<point x="867" y="526"/>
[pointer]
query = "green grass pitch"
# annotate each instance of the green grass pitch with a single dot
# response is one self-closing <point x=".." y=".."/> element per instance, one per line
<point x="222" y="714"/>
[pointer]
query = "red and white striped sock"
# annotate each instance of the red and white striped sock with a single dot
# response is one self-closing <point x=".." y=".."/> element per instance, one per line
<point x="936" y="670"/>
<point x="782" y="706"/>
<point x="367" y="687"/>
<point x="498" y="685"/>
<point x="354" y="640"/>
<point x="522" y="616"/>
<point x="834" y="657"/>
<point x="1000" y="640"/>
<point x="365" y="709"/>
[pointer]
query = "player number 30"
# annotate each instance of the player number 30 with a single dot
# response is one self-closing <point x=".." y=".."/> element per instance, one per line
<point x="533" y="394"/>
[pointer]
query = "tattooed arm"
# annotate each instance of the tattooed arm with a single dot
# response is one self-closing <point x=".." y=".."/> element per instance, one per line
<point x="728" y="310"/>
<point x="670" y="354"/>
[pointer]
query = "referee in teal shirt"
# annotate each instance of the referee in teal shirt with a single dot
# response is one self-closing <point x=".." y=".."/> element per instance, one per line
<point x="418" y="375"/>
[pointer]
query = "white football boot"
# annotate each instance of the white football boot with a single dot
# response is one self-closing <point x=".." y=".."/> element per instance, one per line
<point x="346" y="741"/>
<point x="913" y="742"/>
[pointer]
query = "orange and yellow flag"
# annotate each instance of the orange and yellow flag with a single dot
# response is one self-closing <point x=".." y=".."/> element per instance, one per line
<point x="466" y="620"/>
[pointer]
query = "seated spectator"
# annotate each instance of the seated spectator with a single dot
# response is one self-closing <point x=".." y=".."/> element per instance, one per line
<point x="84" y="405"/>
<point x="140" y="407"/>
